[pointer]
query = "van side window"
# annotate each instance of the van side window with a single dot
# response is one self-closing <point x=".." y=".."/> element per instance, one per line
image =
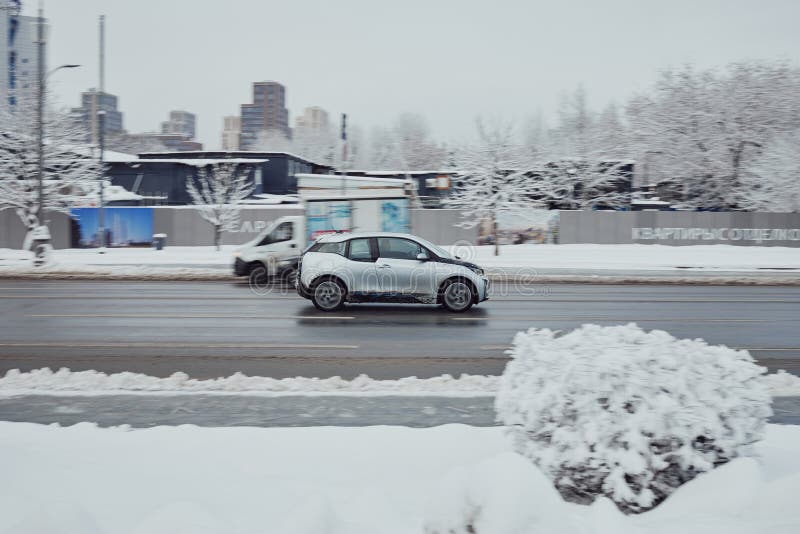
<point x="283" y="232"/>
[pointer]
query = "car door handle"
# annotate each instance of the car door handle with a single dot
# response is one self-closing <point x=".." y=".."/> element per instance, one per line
<point x="384" y="266"/>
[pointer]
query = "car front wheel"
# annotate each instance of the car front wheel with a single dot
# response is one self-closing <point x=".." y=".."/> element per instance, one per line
<point x="328" y="295"/>
<point x="457" y="296"/>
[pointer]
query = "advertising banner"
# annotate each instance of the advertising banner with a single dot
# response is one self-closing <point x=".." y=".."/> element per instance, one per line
<point x="124" y="227"/>
<point x="394" y="215"/>
<point x="325" y="216"/>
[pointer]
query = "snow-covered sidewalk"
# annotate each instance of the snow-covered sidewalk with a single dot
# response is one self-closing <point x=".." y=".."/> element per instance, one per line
<point x="534" y="263"/>
<point x="370" y="480"/>
<point x="69" y="383"/>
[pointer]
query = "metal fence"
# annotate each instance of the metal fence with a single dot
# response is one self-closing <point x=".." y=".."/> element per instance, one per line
<point x="185" y="227"/>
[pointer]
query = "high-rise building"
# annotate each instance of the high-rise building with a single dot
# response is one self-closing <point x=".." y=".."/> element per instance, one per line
<point x="267" y="112"/>
<point x="232" y="127"/>
<point x="314" y="118"/>
<point x="93" y="101"/>
<point x="180" y="122"/>
<point x="18" y="55"/>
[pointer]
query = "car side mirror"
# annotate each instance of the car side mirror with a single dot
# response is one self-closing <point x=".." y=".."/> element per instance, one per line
<point x="422" y="257"/>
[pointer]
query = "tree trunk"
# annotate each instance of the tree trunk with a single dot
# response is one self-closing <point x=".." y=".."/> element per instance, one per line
<point x="217" y="236"/>
<point x="494" y="234"/>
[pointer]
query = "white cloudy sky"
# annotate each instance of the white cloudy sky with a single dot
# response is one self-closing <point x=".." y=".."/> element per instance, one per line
<point x="448" y="60"/>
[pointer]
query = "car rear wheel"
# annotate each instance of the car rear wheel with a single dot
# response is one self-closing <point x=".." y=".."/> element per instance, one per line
<point x="328" y="295"/>
<point x="457" y="296"/>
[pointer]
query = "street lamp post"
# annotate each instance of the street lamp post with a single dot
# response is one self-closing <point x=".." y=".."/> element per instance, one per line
<point x="42" y="79"/>
<point x="101" y="215"/>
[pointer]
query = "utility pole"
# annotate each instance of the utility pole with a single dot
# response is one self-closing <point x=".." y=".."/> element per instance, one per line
<point x="40" y="44"/>
<point x="343" y="136"/>
<point x="101" y="118"/>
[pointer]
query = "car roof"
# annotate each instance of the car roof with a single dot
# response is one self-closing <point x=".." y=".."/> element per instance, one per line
<point x="344" y="236"/>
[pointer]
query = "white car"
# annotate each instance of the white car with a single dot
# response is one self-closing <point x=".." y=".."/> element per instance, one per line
<point x="385" y="267"/>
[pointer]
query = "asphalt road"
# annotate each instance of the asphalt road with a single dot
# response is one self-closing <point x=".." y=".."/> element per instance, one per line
<point x="284" y="411"/>
<point x="210" y="329"/>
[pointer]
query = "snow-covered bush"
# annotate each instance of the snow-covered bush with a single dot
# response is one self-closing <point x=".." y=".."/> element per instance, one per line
<point x="629" y="414"/>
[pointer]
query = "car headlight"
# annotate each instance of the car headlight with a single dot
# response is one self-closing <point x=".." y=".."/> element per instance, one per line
<point x="477" y="270"/>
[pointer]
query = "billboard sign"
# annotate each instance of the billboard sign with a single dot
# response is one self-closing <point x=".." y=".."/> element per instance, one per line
<point x="124" y="227"/>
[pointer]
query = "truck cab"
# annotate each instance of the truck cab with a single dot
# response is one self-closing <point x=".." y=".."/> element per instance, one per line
<point x="275" y="252"/>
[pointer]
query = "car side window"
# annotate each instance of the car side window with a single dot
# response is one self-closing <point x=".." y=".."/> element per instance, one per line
<point x="399" y="249"/>
<point x="359" y="250"/>
<point x="332" y="248"/>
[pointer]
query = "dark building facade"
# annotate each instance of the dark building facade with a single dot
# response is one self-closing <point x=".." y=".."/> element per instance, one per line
<point x="164" y="174"/>
<point x="267" y="112"/>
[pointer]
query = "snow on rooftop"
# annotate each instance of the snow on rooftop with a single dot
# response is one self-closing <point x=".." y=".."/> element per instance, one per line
<point x="201" y="162"/>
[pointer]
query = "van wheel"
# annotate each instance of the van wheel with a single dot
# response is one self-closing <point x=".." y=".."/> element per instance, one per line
<point x="328" y="295"/>
<point x="258" y="275"/>
<point x="289" y="276"/>
<point x="457" y="296"/>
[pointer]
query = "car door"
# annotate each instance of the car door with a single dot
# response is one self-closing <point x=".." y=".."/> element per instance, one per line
<point x="400" y="271"/>
<point x="360" y="274"/>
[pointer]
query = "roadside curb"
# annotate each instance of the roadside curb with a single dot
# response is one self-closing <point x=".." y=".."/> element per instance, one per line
<point x="763" y="280"/>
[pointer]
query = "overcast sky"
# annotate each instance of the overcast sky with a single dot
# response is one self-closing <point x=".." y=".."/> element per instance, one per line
<point x="373" y="59"/>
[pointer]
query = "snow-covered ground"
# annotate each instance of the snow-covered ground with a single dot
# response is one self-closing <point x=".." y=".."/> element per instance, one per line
<point x="611" y="257"/>
<point x="368" y="480"/>
<point x="66" y="382"/>
<point x="635" y="257"/>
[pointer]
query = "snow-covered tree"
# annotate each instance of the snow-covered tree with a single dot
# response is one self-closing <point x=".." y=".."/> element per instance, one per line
<point x="272" y="141"/>
<point x="385" y="153"/>
<point x="417" y="151"/>
<point x="70" y="170"/>
<point x="133" y="144"/>
<point x="492" y="177"/>
<point x="707" y="126"/>
<point x="217" y="193"/>
<point x="628" y="414"/>
<point x="771" y="182"/>
<point x="405" y="146"/>
<point x="320" y="145"/>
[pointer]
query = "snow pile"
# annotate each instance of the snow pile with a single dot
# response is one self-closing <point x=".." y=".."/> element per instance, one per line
<point x="367" y="480"/>
<point x="94" y="382"/>
<point x="629" y="414"/>
<point x="783" y="384"/>
<point x="59" y="271"/>
<point x="66" y="382"/>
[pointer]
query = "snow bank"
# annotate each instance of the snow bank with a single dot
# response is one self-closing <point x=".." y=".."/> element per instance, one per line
<point x="368" y="480"/>
<point x="65" y="382"/>
<point x="629" y="414"/>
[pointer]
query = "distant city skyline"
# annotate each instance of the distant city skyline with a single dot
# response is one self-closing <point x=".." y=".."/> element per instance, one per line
<point x="448" y="61"/>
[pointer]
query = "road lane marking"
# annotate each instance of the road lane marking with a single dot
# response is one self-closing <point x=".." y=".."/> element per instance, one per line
<point x="145" y="296"/>
<point x="695" y="320"/>
<point x="644" y="299"/>
<point x="755" y="349"/>
<point x="197" y="316"/>
<point x="173" y="345"/>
